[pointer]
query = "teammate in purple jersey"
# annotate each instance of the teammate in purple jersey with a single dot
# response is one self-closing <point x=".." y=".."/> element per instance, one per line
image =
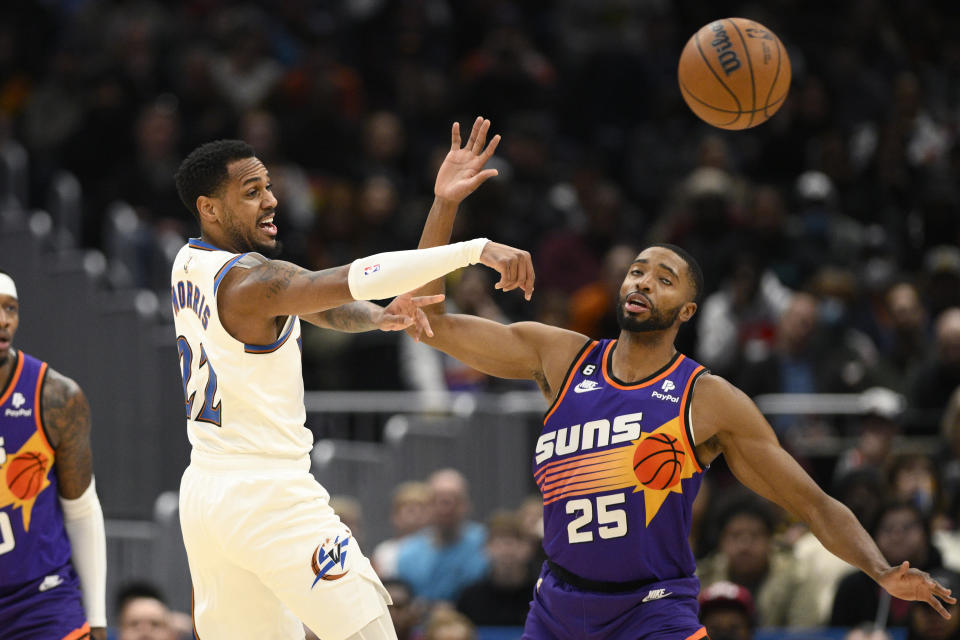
<point x="52" y="541"/>
<point x="616" y="526"/>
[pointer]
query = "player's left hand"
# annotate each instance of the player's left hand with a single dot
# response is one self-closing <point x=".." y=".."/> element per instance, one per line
<point x="912" y="584"/>
<point x="405" y="311"/>
<point x="98" y="633"/>
<point x="462" y="170"/>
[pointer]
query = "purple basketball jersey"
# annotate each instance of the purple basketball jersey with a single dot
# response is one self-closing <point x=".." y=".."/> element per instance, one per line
<point x="33" y="542"/>
<point x="616" y="465"/>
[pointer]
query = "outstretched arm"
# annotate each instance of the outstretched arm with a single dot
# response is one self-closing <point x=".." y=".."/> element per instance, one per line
<point x="726" y="420"/>
<point x="66" y="421"/>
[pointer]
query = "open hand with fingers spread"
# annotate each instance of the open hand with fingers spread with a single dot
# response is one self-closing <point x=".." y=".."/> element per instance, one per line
<point x="513" y="265"/>
<point x="406" y="311"/>
<point x="462" y="170"/>
<point x="912" y="584"/>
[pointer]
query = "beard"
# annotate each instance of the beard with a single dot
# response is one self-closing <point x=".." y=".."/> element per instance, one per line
<point x="656" y="320"/>
<point x="244" y="243"/>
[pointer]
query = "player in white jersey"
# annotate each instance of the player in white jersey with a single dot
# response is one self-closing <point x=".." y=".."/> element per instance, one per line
<point x="266" y="551"/>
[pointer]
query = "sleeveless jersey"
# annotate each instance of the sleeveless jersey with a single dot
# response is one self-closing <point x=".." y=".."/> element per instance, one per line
<point x="617" y="506"/>
<point x="238" y="398"/>
<point x="33" y="541"/>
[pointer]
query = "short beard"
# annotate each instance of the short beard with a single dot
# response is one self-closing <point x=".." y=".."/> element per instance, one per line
<point x="656" y="321"/>
<point x="245" y="245"/>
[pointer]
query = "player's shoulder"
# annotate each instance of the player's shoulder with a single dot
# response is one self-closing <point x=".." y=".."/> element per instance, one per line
<point x="59" y="389"/>
<point x="717" y="391"/>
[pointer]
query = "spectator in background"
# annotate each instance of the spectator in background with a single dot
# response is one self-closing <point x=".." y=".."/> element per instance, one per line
<point x="876" y="431"/>
<point x="726" y="610"/>
<point x="924" y="626"/>
<point x="409" y="513"/>
<point x="739" y="321"/>
<point x="902" y="533"/>
<point x="502" y="598"/>
<point x="446" y="624"/>
<point x="746" y="556"/>
<point x="443" y="559"/>
<point x="949" y="465"/>
<point x="406" y="611"/>
<point x="937" y="378"/>
<point x="942" y="272"/>
<point x="906" y="338"/>
<point x="142" y="614"/>
<point x="914" y="479"/>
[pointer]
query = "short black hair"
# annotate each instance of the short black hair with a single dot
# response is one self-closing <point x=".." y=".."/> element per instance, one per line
<point x="203" y="172"/>
<point x="135" y="590"/>
<point x="747" y="505"/>
<point x="696" y="273"/>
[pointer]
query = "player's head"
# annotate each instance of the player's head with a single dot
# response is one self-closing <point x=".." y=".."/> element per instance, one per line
<point x="661" y="290"/>
<point x="9" y="315"/>
<point x="228" y="189"/>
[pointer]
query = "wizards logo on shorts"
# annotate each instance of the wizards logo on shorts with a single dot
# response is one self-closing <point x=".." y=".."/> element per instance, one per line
<point x="326" y="558"/>
<point x="371" y="269"/>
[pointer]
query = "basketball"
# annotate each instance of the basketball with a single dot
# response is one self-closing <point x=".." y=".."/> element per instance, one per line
<point x="734" y="73"/>
<point x="25" y="474"/>
<point x="657" y="462"/>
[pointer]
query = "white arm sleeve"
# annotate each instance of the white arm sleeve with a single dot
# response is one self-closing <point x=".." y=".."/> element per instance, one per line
<point x="83" y="520"/>
<point x="385" y="275"/>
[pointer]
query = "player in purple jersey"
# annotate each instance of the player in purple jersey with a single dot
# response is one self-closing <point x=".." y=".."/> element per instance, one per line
<point x="52" y="542"/>
<point x="631" y="427"/>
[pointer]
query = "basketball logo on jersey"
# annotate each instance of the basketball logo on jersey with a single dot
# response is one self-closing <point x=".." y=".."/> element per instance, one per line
<point x="23" y="476"/>
<point x="327" y="557"/>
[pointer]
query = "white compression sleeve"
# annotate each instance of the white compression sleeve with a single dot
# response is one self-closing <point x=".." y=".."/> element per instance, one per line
<point x="385" y="275"/>
<point x="83" y="520"/>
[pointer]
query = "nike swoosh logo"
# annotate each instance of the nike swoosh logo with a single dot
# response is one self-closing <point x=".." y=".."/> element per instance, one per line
<point x="579" y="389"/>
<point x="652" y="596"/>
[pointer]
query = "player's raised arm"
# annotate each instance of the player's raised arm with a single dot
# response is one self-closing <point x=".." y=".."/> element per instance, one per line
<point x="726" y="421"/>
<point x="524" y="350"/>
<point x="66" y="418"/>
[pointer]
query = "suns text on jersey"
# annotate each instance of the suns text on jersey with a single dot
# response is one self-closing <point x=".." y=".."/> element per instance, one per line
<point x="186" y="295"/>
<point x="589" y="435"/>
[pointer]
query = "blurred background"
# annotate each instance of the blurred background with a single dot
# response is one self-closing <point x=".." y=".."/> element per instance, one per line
<point x="829" y="237"/>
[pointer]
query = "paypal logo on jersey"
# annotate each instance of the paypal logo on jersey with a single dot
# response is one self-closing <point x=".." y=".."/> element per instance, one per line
<point x="596" y="433"/>
<point x="18" y="412"/>
<point x="666" y="386"/>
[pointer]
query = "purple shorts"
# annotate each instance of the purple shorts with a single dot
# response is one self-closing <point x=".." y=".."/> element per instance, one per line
<point x="665" y="610"/>
<point x="49" y="607"/>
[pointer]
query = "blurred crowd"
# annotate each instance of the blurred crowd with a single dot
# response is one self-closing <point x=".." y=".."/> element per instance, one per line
<point x="829" y="236"/>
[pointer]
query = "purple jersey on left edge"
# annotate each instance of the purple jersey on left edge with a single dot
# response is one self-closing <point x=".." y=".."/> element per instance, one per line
<point x="601" y="521"/>
<point x="39" y="589"/>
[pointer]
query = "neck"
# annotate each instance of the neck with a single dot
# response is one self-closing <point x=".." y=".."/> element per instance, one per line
<point x="7" y="360"/>
<point x="640" y="354"/>
<point x="447" y="535"/>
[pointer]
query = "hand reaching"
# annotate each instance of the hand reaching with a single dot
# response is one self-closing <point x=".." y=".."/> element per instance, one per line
<point x="462" y="170"/>
<point x="912" y="584"/>
<point x="405" y="311"/>
<point x="514" y="266"/>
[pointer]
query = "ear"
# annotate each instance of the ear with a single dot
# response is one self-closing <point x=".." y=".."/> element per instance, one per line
<point x="688" y="310"/>
<point x="208" y="208"/>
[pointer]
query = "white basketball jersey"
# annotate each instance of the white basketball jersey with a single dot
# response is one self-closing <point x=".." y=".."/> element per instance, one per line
<point x="239" y="398"/>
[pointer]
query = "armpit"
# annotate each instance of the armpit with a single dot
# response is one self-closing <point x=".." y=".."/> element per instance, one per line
<point x="708" y="450"/>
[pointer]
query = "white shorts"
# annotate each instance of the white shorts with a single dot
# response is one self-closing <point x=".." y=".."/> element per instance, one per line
<point x="267" y="552"/>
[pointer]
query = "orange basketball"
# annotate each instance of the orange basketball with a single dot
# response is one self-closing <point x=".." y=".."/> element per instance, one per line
<point x="657" y="461"/>
<point x="25" y="474"/>
<point x="734" y="73"/>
